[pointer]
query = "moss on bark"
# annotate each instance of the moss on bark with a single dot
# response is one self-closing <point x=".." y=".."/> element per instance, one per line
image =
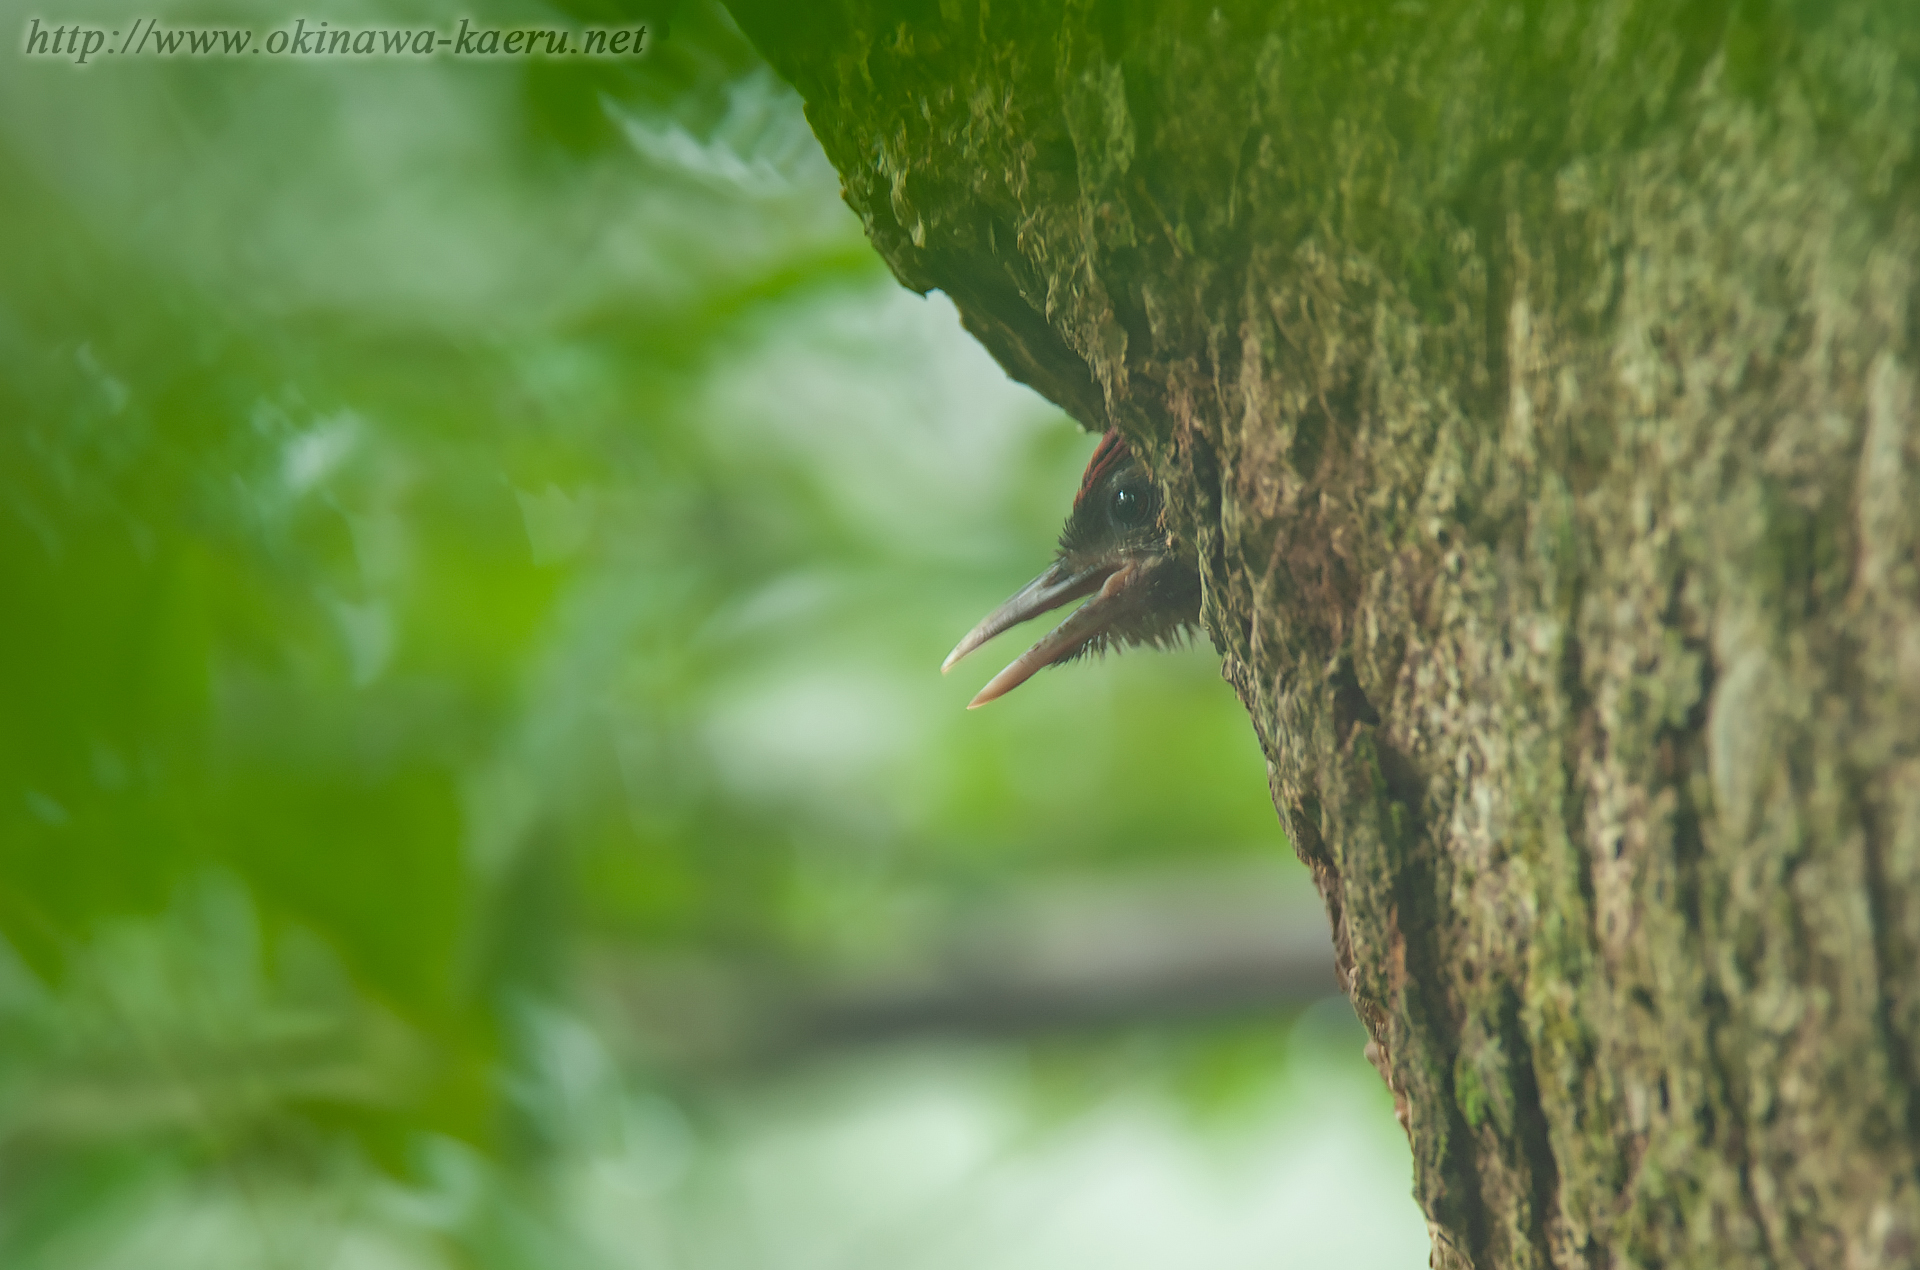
<point x="1535" y="382"/>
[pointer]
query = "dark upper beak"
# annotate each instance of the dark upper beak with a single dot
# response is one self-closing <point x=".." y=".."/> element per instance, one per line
<point x="1119" y="594"/>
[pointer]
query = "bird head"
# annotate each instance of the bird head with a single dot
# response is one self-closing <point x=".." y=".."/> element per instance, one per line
<point x="1114" y="549"/>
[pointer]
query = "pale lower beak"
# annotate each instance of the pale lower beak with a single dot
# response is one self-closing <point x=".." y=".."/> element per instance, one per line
<point x="1117" y="597"/>
<point x="1058" y="585"/>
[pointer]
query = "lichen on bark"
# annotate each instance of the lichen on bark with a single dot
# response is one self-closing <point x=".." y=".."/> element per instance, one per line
<point x="1535" y="385"/>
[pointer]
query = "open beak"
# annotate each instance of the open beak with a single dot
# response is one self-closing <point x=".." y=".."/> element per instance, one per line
<point x="1118" y="593"/>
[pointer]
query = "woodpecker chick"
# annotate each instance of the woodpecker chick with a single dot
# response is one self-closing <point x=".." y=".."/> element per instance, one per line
<point x="1115" y="549"/>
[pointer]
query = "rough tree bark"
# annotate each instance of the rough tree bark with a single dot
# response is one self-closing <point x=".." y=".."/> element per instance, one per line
<point x="1535" y="382"/>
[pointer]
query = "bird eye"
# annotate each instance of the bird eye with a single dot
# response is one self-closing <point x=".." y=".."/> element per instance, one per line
<point x="1132" y="504"/>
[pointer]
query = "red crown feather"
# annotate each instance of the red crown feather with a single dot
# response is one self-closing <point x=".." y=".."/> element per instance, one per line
<point x="1111" y="451"/>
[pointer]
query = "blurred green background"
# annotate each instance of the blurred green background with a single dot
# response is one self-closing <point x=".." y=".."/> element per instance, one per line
<point x="476" y="541"/>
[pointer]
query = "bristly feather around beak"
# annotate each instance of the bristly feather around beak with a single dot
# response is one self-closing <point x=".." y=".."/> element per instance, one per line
<point x="1114" y="548"/>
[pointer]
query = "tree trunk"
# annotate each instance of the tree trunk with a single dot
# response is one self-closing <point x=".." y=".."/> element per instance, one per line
<point x="1535" y="382"/>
